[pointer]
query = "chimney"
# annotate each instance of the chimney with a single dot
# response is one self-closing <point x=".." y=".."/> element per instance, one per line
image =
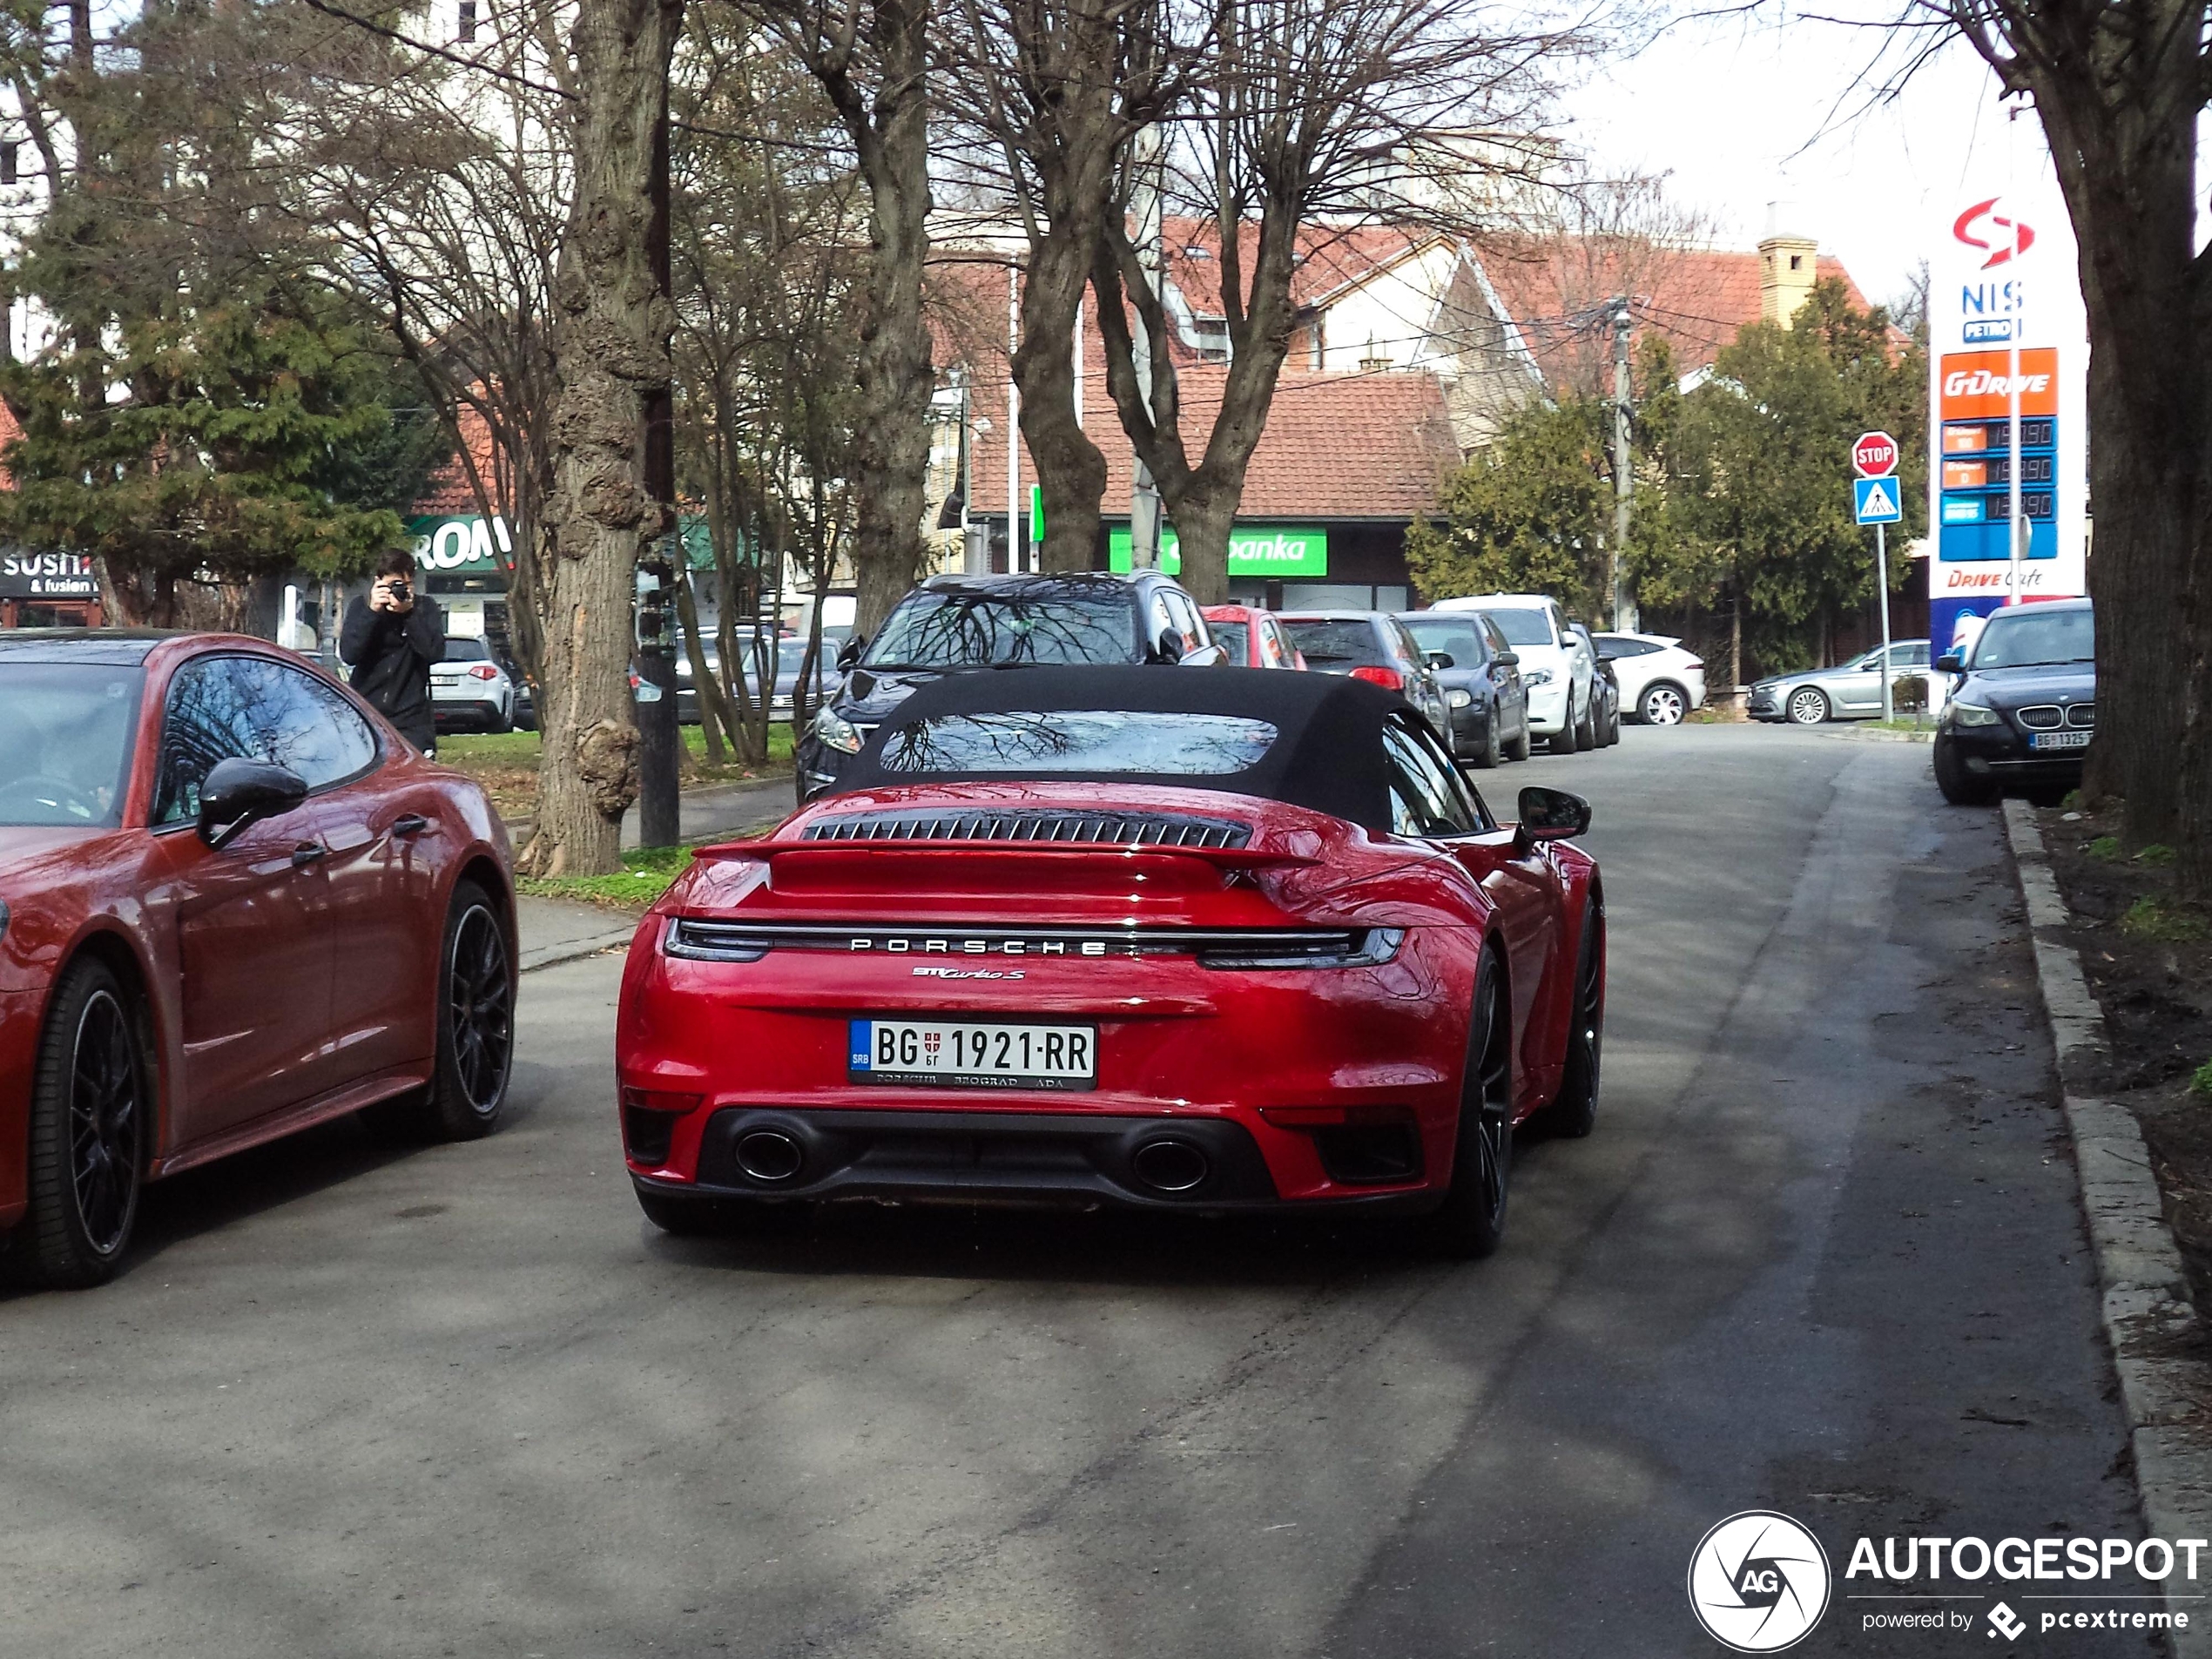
<point x="1788" y="263"/>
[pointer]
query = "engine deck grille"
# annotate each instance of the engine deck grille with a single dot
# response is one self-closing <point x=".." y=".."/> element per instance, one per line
<point x="1034" y="824"/>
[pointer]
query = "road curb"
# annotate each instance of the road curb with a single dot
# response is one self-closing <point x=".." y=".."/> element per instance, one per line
<point x="570" y="950"/>
<point x="2145" y="1308"/>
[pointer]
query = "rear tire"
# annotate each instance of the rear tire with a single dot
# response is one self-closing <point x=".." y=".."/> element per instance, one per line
<point x="1664" y="704"/>
<point x="91" y="1101"/>
<point x="1960" y="786"/>
<point x="1572" y="1112"/>
<point x="1471" y="1222"/>
<point x="475" y="1027"/>
<point x="1611" y="733"/>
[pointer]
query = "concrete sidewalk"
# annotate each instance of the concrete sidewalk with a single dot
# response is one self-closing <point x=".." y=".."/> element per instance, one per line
<point x="554" y="930"/>
<point x="716" y="809"/>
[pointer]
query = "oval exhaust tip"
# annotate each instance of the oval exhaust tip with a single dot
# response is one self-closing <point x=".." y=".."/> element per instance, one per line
<point x="770" y="1155"/>
<point x="1170" y="1165"/>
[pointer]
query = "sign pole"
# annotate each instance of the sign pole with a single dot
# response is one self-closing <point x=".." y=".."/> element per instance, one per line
<point x="1882" y="599"/>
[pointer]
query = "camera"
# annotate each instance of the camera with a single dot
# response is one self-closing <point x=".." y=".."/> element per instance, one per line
<point x="401" y="590"/>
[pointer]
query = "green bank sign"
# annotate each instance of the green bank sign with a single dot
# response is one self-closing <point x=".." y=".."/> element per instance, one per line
<point x="1254" y="549"/>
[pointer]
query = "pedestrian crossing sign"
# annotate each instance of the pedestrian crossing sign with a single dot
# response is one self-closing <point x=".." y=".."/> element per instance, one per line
<point x="1876" y="500"/>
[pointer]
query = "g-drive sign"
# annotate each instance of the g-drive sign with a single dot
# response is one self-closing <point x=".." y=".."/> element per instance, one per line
<point x="1874" y="456"/>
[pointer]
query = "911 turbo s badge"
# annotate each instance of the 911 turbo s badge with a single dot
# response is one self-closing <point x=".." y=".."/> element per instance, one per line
<point x="968" y="972"/>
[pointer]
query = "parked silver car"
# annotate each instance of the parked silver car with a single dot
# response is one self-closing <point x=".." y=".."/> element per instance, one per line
<point x="1850" y="691"/>
<point x="470" y="691"/>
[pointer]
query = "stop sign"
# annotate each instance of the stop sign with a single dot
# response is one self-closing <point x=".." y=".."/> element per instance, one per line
<point x="1874" y="456"/>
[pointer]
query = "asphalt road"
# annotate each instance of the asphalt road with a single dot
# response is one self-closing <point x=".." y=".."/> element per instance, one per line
<point x="1822" y="1255"/>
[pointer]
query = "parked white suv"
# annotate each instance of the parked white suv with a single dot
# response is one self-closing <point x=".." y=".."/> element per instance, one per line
<point x="1556" y="667"/>
<point x="1660" y="681"/>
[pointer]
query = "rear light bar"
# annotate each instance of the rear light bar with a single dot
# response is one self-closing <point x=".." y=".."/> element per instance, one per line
<point x="699" y="939"/>
<point x="1389" y="678"/>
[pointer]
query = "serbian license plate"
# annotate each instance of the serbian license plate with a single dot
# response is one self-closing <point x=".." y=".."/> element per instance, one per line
<point x="2060" y="739"/>
<point x="969" y="1056"/>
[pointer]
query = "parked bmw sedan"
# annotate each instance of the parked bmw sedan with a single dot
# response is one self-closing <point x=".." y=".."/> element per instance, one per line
<point x="1482" y="691"/>
<point x="1850" y="691"/>
<point x="958" y="624"/>
<point x="2024" y="713"/>
<point x="234" y="903"/>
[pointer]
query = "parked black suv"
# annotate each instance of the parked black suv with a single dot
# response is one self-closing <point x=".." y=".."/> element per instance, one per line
<point x="958" y="624"/>
<point x="2024" y="713"/>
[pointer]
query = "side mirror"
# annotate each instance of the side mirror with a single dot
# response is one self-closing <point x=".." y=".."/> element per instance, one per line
<point x="239" y="793"/>
<point x="1507" y="659"/>
<point x="849" y="652"/>
<point x="1550" y="815"/>
<point x="1438" y="658"/>
<point x="1204" y="657"/>
<point x="1950" y="663"/>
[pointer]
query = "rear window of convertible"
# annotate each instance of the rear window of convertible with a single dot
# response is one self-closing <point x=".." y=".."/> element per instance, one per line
<point x="1081" y="740"/>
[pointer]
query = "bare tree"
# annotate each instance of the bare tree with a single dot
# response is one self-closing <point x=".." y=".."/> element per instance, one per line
<point x="613" y="324"/>
<point x="1056" y="92"/>
<point x="1304" y="112"/>
<point x="2121" y="85"/>
<point x="872" y="58"/>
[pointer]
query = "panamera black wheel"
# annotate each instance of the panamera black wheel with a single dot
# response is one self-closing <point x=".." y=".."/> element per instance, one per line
<point x="1573" y="1113"/>
<point x="90" y="1112"/>
<point x="1471" y="1222"/>
<point x="475" y="1029"/>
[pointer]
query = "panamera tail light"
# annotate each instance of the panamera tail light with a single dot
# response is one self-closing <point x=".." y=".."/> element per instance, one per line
<point x="1389" y="678"/>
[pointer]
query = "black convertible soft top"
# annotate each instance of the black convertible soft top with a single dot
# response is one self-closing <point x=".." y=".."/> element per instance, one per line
<point x="1327" y="754"/>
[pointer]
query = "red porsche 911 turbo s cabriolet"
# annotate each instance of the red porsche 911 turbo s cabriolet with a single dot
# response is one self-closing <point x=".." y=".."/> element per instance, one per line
<point x="233" y="903"/>
<point x="1225" y="941"/>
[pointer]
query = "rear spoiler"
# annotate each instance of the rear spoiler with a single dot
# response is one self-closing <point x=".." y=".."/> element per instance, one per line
<point x="1222" y="858"/>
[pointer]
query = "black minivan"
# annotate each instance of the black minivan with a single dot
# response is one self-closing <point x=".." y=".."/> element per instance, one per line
<point x="954" y="624"/>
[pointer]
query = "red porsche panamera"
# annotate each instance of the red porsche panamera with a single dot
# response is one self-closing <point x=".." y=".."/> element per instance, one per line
<point x="1222" y="941"/>
<point x="233" y="903"/>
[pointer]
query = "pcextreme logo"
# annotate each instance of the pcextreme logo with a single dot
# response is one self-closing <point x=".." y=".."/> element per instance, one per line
<point x="2014" y="238"/>
<point x="1758" y="1581"/>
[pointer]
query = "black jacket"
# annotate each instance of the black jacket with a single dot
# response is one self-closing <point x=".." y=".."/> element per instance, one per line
<point x="391" y="657"/>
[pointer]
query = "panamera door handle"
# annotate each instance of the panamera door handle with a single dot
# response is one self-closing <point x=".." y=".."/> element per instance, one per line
<point x="307" y="852"/>
<point x="413" y="824"/>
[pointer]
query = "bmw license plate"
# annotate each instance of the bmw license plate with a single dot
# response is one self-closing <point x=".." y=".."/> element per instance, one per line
<point x="967" y="1054"/>
<point x="2060" y="739"/>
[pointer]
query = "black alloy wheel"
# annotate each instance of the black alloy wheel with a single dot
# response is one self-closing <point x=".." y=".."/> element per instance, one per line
<point x="1471" y="1222"/>
<point x="1574" y="1112"/>
<point x="91" y="1114"/>
<point x="475" y="1029"/>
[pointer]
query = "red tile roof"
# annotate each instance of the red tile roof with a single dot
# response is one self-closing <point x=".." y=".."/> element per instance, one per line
<point x="1336" y="445"/>
<point x="1555" y="291"/>
<point x="448" y="492"/>
<point x="1330" y="257"/>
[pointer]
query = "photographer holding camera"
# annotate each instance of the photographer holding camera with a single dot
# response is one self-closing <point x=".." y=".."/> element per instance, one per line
<point x="391" y="638"/>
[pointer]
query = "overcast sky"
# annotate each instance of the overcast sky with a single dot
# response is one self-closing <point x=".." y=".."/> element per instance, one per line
<point x="1742" y="114"/>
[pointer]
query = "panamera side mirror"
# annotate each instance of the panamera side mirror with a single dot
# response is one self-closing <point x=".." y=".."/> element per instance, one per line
<point x="239" y="793"/>
<point x="1550" y="815"/>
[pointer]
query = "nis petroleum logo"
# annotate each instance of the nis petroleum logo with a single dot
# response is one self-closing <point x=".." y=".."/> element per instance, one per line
<point x="1760" y="1581"/>
<point x="2002" y="237"/>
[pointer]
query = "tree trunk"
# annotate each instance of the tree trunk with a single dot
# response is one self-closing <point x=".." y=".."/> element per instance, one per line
<point x="612" y="329"/>
<point x="890" y="131"/>
<point x="1071" y="473"/>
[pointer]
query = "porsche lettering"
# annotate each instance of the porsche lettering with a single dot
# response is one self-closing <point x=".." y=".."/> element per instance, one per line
<point x="902" y="947"/>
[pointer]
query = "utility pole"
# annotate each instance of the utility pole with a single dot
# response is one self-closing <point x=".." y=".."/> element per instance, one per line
<point x="1144" y="208"/>
<point x="1623" y="472"/>
<point x="1012" y="419"/>
<point x="659" y="817"/>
